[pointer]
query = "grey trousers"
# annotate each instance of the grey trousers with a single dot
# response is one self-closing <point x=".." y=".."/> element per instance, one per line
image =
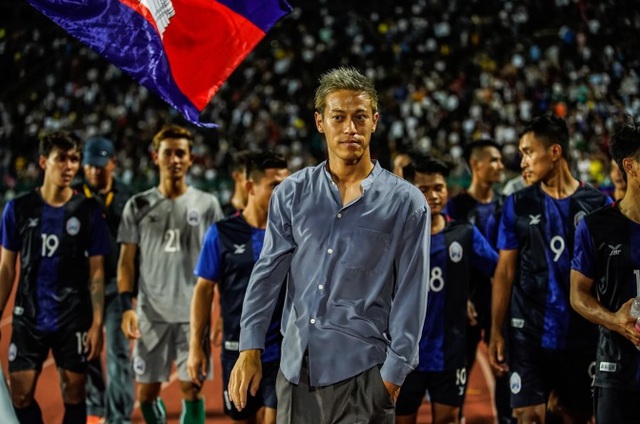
<point x="114" y="400"/>
<point x="362" y="399"/>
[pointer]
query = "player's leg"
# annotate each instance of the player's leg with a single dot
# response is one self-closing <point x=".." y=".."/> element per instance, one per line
<point x="27" y="351"/>
<point x="152" y="358"/>
<point x="23" y="387"/>
<point x="447" y="394"/>
<point x="616" y="405"/>
<point x="193" y="410"/>
<point x="410" y="398"/>
<point x="445" y="414"/>
<point x="267" y="395"/>
<point x="529" y="372"/>
<point x="151" y="405"/>
<point x="269" y="415"/>
<point x="68" y="349"/>
<point x="72" y="385"/>
<point x="119" y="396"/>
<point x="574" y="384"/>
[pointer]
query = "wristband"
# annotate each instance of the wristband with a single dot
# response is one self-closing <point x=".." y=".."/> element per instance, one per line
<point x="126" y="301"/>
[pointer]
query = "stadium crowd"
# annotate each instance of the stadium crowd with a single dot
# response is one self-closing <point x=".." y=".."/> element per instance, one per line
<point x="448" y="72"/>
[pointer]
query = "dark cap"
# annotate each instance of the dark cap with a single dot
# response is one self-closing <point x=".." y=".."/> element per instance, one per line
<point x="98" y="151"/>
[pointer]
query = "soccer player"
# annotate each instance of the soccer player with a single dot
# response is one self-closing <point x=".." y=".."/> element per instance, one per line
<point x="61" y="238"/>
<point x="550" y="346"/>
<point x="350" y="242"/>
<point x="230" y="249"/>
<point x="605" y="278"/>
<point x="238" y="168"/>
<point x="479" y="205"/>
<point x="166" y="225"/>
<point x="458" y="250"/>
<point x="112" y="401"/>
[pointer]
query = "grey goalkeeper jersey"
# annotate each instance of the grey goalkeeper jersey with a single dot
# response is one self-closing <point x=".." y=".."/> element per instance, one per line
<point x="169" y="234"/>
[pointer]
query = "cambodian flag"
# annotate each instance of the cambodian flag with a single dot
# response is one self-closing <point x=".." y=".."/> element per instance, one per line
<point x="182" y="50"/>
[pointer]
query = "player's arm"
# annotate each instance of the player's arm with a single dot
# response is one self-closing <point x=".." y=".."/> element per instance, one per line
<point x="483" y="259"/>
<point x="500" y="296"/>
<point x="583" y="274"/>
<point x="197" y="362"/>
<point x="93" y="343"/>
<point x="217" y="332"/>
<point x="7" y="276"/>
<point x="10" y="249"/>
<point x="126" y="275"/>
<point x="587" y="305"/>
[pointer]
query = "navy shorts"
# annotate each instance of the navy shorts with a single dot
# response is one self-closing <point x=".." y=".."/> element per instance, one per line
<point x="266" y="395"/>
<point x="535" y="372"/>
<point x="616" y="405"/>
<point x="446" y="388"/>
<point x="30" y="347"/>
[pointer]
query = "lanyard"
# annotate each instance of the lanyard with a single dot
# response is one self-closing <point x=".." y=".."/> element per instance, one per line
<point x="107" y="200"/>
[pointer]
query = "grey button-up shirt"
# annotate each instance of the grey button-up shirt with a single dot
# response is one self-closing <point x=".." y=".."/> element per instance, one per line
<point x="356" y="275"/>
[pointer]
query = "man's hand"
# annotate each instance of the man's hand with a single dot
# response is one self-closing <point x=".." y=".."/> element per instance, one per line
<point x="496" y="354"/>
<point x="130" y="324"/>
<point x="197" y="365"/>
<point x="625" y="324"/>
<point x="93" y="343"/>
<point x="393" y="390"/>
<point x="246" y="374"/>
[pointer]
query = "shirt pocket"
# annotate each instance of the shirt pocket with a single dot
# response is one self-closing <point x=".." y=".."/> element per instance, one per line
<point x="367" y="251"/>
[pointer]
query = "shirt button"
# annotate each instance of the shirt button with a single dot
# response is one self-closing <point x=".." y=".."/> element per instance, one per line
<point x="312" y="321"/>
<point x="339" y="215"/>
<point x="320" y="286"/>
<point x="329" y="251"/>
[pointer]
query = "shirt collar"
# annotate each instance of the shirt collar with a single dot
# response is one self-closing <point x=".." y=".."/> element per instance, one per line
<point x="366" y="183"/>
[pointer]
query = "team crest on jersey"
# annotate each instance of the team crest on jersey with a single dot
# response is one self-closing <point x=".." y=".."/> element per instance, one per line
<point x="139" y="366"/>
<point x="13" y="352"/>
<point x="578" y="217"/>
<point x="615" y="250"/>
<point x="455" y="252"/>
<point x="193" y="217"/>
<point x="515" y="383"/>
<point x="73" y="226"/>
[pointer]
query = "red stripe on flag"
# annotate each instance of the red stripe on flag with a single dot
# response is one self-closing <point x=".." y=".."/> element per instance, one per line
<point x="204" y="42"/>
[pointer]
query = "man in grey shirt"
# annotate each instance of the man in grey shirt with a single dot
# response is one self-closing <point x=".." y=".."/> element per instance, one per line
<point x="351" y="242"/>
<point x="166" y="225"/>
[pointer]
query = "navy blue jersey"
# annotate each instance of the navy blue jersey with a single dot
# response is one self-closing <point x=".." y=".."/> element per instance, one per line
<point x="607" y="250"/>
<point x="230" y="250"/>
<point x="542" y="229"/>
<point x="54" y="244"/>
<point x="457" y="252"/>
<point x="463" y="207"/>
